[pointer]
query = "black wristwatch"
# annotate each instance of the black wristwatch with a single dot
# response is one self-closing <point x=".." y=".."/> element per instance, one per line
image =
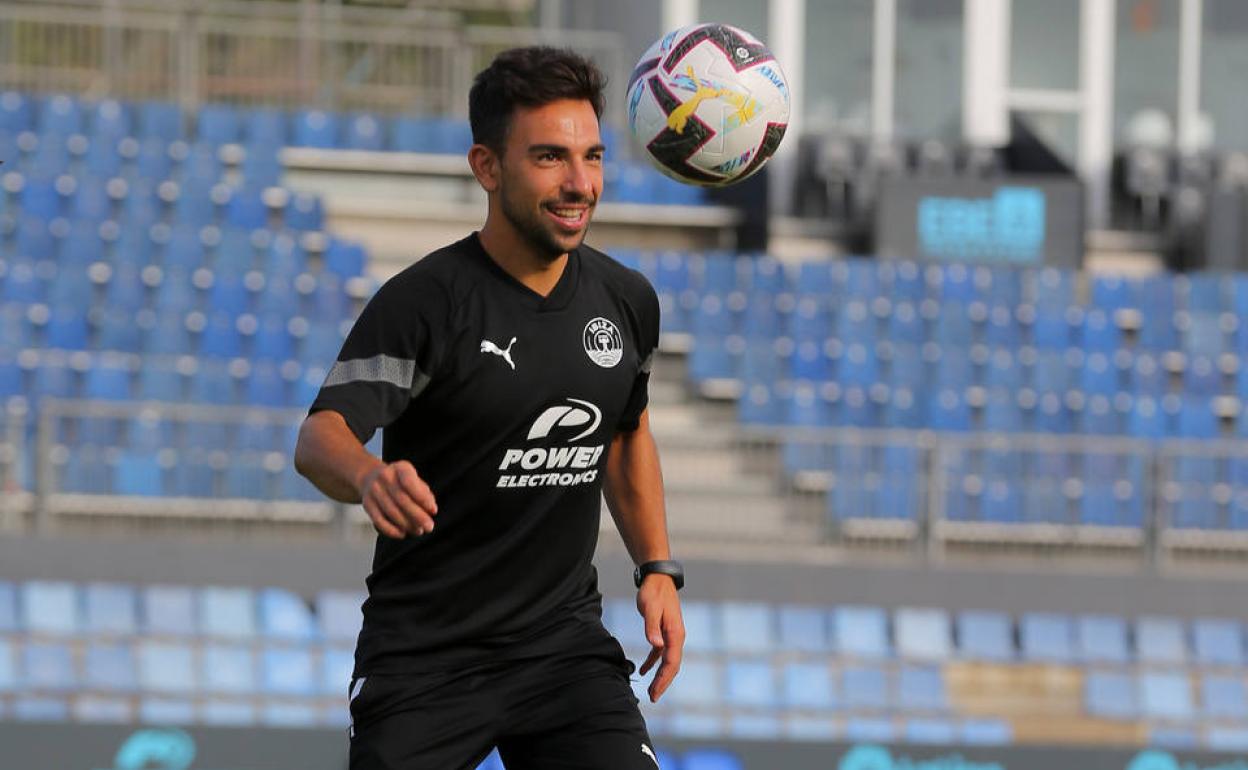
<point x="673" y="569"/>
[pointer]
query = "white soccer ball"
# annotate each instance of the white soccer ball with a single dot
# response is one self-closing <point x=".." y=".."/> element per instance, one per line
<point x="709" y="103"/>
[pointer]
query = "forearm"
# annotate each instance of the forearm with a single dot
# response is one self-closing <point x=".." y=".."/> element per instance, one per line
<point x="330" y="456"/>
<point x="633" y="488"/>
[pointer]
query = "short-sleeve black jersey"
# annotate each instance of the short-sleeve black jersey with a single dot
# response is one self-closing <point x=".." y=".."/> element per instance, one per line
<point x="505" y="402"/>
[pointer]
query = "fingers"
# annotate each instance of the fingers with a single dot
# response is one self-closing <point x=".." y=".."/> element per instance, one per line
<point x="399" y="502"/>
<point x="655" y="654"/>
<point x="666" y="673"/>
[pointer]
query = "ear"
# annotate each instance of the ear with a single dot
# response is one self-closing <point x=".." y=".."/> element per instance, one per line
<point x="486" y="167"/>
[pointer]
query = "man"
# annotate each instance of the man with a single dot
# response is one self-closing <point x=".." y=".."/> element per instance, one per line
<point x="510" y="373"/>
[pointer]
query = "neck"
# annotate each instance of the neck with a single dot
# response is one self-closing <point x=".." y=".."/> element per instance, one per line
<point x="518" y="257"/>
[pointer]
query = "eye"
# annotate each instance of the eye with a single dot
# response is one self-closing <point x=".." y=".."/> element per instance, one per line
<point x="548" y="156"/>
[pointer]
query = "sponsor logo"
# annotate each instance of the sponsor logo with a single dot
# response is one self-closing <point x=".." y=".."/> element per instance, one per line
<point x="603" y="343"/>
<point x="561" y="462"/>
<point x="649" y="753"/>
<point x="870" y="757"/>
<point x="1153" y="759"/>
<point x="1007" y="226"/>
<point x="503" y="353"/>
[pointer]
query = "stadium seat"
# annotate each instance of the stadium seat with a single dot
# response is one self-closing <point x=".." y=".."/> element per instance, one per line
<point x="160" y="120"/>
<point x="861" y="631"/>
<point x="702" y="631"/>
<point x="870" y="730"/>
<point x="109" y="667"/>
<point x="337" y="665"/>
<point x="710" y="759"/>
<point x="102" y="709"/>
<point x="803" y="628"/>
<point x="1110" y="695"/>
<point x="984" y="635"/>
<point x="50" y="608"/>
<point x="316" y="128"/>
<point x="1160" y="641"/>
<point x="110" y="609"/>
<point x="1215" y="642"/>
<point x="747" y="628"/>
<point x="808" y="686"/>
<point x="288" y="671"/>
<point x="169" y="611"/>
<point x="1224" y="697"/>
<point x="283" y="615"/>
<point x="9" y="618"/>
<point x="864" y="688"/>
<point x="227" y="613"/>
<point x="986" y="732"/>
<point x="138" y="473"/>
<point x="922" y="634"/>
<point x="338" y="615"/>
<point x="364" y="132"/>
<point x="166" y="667"/>
<point x="750" y="683"/>
<point x="165" y="710"/>
<point x="921" y="688"/>
<point x="699" y="684"/>
<point x="17" y="112"/>
<point x="219" y="124"/>
<point x="48" y="667"/>
<point x="1166" y="696"/>
<point x="1101" y="639"/>
<point x="930" y="731"/>
<point x="1046" y="637"/>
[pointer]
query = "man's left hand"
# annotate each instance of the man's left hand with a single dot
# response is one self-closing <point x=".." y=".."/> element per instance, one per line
<point x="665" y="630"/>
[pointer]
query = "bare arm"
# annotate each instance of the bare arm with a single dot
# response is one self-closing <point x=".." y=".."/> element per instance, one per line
<point x="395" y="497"/>
<point x="633" y="487"/>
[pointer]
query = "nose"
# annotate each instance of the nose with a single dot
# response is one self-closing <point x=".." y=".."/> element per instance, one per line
<point x="580" y="179"/>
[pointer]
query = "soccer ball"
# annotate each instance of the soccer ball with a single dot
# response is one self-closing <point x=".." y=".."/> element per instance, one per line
<point x="709" y="103"/>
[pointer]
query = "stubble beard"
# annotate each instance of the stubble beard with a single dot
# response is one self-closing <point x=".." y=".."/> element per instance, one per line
<point x="537" y="233"/>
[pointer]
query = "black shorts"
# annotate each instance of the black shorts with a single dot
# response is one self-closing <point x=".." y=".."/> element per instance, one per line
<point x="562" y="712"/>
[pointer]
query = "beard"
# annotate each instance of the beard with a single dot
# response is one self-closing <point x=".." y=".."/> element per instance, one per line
<point x="548" y="244"/>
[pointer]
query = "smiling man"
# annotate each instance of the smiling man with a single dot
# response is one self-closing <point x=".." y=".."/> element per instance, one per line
<point x="509" y="373"/>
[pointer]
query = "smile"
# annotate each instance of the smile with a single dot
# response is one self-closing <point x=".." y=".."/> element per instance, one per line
<point x="569" y="217"/>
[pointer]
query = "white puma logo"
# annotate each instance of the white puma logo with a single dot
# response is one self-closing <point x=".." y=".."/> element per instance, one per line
<point x="490" y="347"/>
<point x="646" y="750"/>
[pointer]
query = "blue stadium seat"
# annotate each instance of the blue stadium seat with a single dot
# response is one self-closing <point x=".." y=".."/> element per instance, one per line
<point x="338" y="615"/>
<point x="17" y="112"/>
<point x="922" y="634"/>
<point x="167" y="667"/>
<point x="219" y="124"/>
<point x="203" y="168"/>
<point x="67" y="329"/>
<point x="169" y="611"/>
<point x="246" y="209"/>
<point x="160" y="120"/>
<point x="803" y="628"/>
<point x="1223" y="697"/>
<point x="288" y="671"/>
<point x="61" y="116"/>
<point x="702" y="627"/>
<point x="699" y="684"/>
<point x="41" y="198"/>
<point x="220" y="338"/>
<point x="986" y="732"/>
<point x="1166" y="696"/>
<point x="102" y="709"/>
<point x="266" y="126"/>
<point x="261" y="168"/>
<point x="710" y="759"/>
<point x="154" y="161"/>
<point x="102" y="159"/>
<point x="364" y="132"/>
<point x="921" y="688"/>
<point x="138" y="473"/>
<point x="939" y="732"/>
<point x="337" y="665"/>
<point x="750" y="684"/>
<point x="747" y="627"/>
<point x="91" y="202"/>
<point x="165" y="710"/>
<point x="109" y="667"/>
<point x="305" y="212"/>
<point x="1217" y="642"/>
<point x="1110" y="695"/>
<point x="8" y="665"/>
<point x="227" y="613"/>
<point x="1046" y="637"/>
<point x="283" y="615"/>
<point x="1101" y="639"/>
<point x="864" y="688"/>
<point x="50" y="607"/>
<point x="1160" y="640"/>
<point x="870" y="730"/>
<point x="110" y="609"/>
<point x="808" y="685"/>
<point x="861" y="631"/>
<point x="316" y="128"/>
<point x="48" y="667"/>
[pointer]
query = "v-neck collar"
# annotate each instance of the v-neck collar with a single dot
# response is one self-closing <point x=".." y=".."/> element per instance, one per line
<point x="560" y="296"/>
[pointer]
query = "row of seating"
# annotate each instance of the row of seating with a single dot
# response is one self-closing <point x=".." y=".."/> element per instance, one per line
<point x="60" y="609"/>
<point x="843" y="280"/>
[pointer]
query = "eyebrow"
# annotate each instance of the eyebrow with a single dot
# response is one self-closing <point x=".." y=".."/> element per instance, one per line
<point x="559" y="148"/>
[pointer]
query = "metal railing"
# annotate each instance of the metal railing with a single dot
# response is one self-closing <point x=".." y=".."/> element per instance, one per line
<point x="282" y="54"/>
<point x="229" y="466"/>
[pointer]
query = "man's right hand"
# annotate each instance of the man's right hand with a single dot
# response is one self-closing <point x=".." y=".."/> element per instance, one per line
<point x="397" y="500"/>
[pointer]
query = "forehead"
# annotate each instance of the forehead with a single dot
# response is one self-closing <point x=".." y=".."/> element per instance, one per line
<point x="567" y="122"/>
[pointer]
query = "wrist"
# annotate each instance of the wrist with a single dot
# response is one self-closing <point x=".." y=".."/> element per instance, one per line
<point x="667" y="568"/>
<point x="365" y="475"/>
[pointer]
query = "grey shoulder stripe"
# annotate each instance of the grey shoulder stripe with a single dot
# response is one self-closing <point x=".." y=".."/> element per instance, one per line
<point x="648" y="363"/>
<point x="399" y="372"/>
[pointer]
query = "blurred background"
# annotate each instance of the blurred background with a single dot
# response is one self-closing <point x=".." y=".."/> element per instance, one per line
<point x="950" y="402"/>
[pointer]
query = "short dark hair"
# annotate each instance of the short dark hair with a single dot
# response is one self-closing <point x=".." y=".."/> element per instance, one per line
<point x="528" y="77"/>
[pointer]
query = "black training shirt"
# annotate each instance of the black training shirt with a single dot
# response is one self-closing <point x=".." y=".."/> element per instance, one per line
<point x="505" y="402"/>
